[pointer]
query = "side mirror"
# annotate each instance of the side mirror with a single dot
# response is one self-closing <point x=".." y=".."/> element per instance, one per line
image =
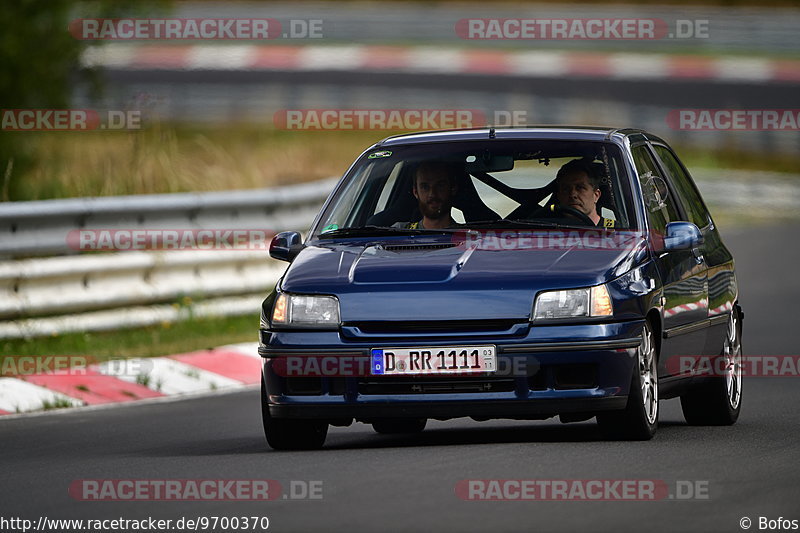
<point x="682" y="236"/>
<point x="285" y="245"/>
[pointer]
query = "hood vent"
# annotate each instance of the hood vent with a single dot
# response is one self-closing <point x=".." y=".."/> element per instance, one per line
<point x="420" y="247"/>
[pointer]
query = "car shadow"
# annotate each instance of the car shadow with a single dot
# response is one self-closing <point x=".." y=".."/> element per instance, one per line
<point x="508" y="434"/>
<point x="361" y="436"/>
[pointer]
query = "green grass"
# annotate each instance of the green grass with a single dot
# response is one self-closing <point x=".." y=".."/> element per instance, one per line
<point x="59" y="403"/>
<point x="732" y="158"/>
<point x="165" y="339"/>
<point x="729" y="219"/>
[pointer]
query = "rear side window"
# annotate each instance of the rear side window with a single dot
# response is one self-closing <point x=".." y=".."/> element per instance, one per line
<point x="695" y="209"/>
<point x="659" y="203"/>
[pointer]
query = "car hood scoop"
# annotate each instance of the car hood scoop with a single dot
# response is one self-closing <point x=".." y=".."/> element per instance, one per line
<point x="417" y="263"/>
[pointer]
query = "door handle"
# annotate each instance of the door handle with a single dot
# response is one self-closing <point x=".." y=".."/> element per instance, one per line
<point x="698" y="255"/>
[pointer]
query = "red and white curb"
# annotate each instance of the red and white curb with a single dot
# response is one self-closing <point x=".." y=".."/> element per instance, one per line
<point x="223" y="368"/>
<point x="424" y="59"/>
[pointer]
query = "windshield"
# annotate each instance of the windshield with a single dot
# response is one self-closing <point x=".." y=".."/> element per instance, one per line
<point x="477" y="184"/>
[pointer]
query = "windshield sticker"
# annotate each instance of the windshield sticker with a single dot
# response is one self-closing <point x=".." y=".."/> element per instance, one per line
<point x="330" y="227"/>
<point x="654" y="190"/>
<point x="384" y="153"/>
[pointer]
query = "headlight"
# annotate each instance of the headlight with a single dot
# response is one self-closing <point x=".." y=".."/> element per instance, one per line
<point x="573" y="303"/>
<point x="295" y="310"/>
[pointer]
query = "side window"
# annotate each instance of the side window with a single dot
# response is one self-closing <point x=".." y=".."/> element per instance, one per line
<point x="695" y="209"/>
<point x="348" y="197"/>
<point x="659" y="203"/>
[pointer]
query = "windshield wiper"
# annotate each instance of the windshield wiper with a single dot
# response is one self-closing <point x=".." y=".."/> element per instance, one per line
<point x="368" y="231"/>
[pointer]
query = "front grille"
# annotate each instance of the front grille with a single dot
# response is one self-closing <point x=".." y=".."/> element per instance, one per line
<point x="433" y="385"/>
<point x="434" y="326"/>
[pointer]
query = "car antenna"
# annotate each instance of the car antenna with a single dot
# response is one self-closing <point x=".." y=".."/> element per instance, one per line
<point x="492" y="134"/>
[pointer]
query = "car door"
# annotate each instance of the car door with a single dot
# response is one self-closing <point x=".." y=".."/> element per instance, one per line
<point x="683" y="273"/>
<point x="719" y="262"/>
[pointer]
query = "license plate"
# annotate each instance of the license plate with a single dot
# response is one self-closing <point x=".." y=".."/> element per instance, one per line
<point x="441" y="360"/>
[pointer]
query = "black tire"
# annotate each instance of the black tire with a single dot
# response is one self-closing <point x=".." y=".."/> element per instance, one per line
<point x="717" y="401"/>
<point x="392" y="426"/>
<point x="291" y="434"/>
<point x="639" y="419"/>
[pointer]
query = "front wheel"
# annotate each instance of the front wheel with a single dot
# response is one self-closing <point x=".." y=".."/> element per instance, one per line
<point x="291" y="434"/>
<point x="639" y="419"/>
<point x="717" y="401"/>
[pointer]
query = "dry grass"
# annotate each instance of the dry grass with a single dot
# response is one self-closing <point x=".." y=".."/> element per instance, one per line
<point x="168" y="159"/>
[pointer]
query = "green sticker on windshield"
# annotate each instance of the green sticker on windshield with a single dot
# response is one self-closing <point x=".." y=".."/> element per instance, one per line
<point x="330" y="227"/>
<point x="384" y="153"/>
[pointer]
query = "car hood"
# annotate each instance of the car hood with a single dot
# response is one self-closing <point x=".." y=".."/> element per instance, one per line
<point x="415" y="280"/>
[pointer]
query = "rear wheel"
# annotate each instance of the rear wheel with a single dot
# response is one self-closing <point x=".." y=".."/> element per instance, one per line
<point x="291" y="434"/>
<point x="717" y="401"/>
<point x="639" y="419"/>
<point x="399" y="425"/>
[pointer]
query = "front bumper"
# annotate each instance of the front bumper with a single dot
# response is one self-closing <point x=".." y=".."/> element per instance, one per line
<point x="552" y="370"/>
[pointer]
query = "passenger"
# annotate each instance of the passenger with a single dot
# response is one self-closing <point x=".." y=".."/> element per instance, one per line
<point x="579" y="188"/>
<point x="434" y="188"/>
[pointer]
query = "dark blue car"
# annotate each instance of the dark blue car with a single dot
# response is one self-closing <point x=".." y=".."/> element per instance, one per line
<point x="518" y="273"/>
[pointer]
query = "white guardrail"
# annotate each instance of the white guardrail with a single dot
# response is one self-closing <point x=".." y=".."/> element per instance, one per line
<point x="102" y="291"/>
<point x="98" y="291"/>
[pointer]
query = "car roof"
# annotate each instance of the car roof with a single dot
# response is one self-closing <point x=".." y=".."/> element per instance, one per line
<point x="577" y="133"/>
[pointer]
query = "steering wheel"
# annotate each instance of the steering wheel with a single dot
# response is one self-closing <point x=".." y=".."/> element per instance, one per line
<point x="566" y="210"/>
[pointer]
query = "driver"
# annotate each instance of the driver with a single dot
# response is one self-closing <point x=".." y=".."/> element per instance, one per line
<point x="434" y="188"/>
<point x="578" y="187"/>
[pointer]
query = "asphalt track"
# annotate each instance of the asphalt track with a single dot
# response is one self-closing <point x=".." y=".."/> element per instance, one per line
<point x="385" y="483"/>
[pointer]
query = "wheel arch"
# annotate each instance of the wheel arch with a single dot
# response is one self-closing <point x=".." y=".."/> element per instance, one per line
<point x="654" y="318"/>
